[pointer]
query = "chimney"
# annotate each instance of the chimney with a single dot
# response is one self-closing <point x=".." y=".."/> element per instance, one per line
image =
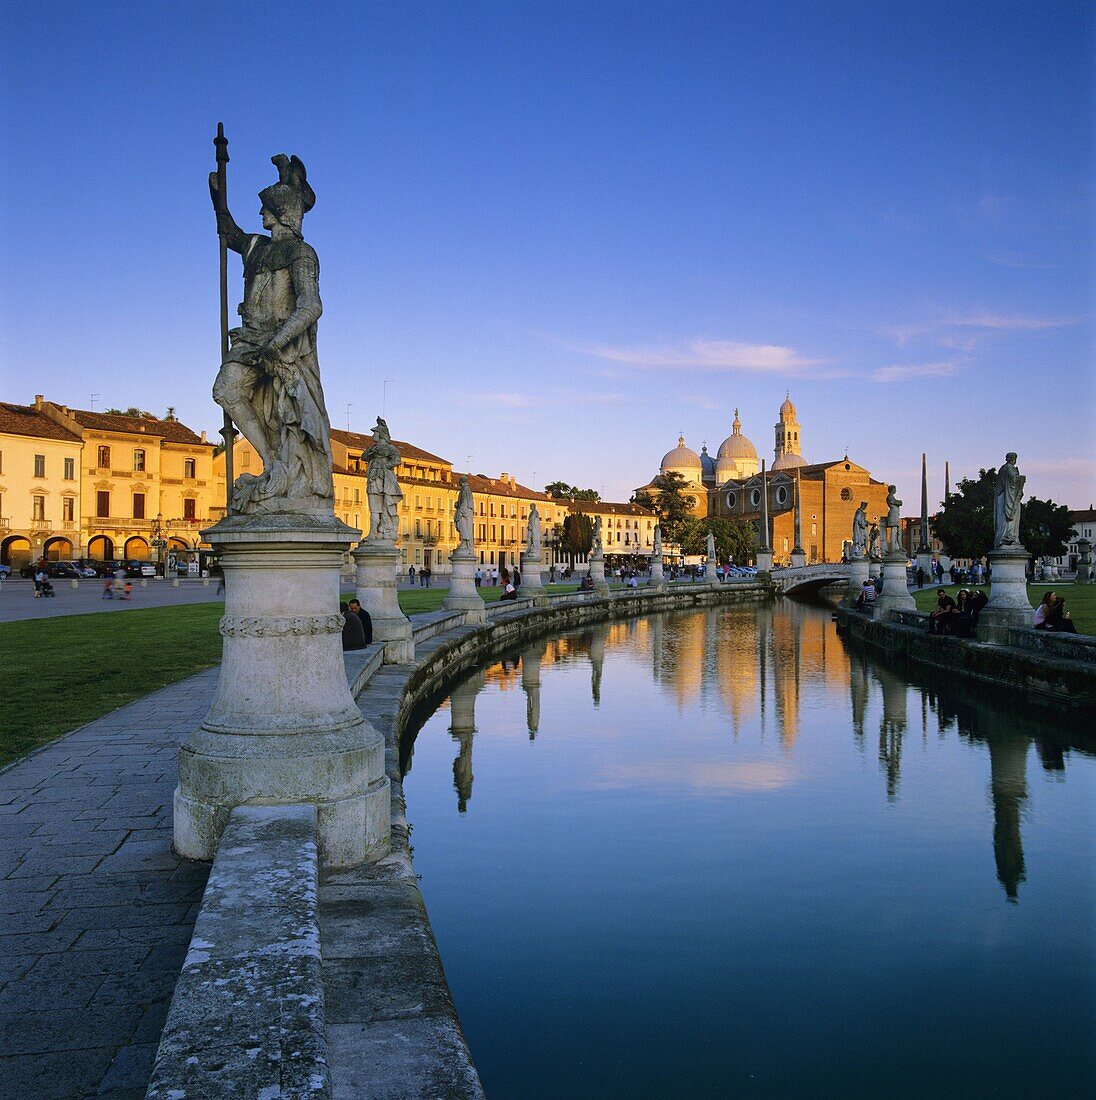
<point x="38" y="402"/>
<point x="203" y="435"/>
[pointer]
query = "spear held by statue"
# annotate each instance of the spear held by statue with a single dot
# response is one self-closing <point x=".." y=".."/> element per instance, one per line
<point x="228" y="432"/>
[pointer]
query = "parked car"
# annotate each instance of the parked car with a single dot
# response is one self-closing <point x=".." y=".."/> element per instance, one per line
<point x="5" y="572"/>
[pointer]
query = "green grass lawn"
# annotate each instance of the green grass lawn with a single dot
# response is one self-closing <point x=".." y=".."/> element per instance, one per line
<point x="1080" y="600"/>
<point x="59" y="673"/>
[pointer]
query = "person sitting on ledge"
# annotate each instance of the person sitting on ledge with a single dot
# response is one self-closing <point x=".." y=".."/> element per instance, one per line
<point x="866" y="597"/>
<point x="1040" y="619"/>
<point x="509" y="592"/>
<point x="366" y="619"/>
<point x="353" y="634"/>
<point x="1057" y="617"/>
<point x="940" y="620"/>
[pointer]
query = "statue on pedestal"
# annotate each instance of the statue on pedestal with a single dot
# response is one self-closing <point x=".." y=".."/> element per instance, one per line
<point x="533" y="547"/>
<point x="597" y="550"/>
<point x="269" y="381"/>
<point x="893" y="521"/>
<point x="658" y="542"/>
<point x="382" y="489"/>
<point x="1007" y="498"/>
<point x="860" y="531"/>
<point x="710" y="546"/>
<point x="462" y="519"/>
<point x="873" y="541"/>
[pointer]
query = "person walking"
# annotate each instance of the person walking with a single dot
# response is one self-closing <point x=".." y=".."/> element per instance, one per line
<point x="479" y="577"/>
<point x="411" y="575"/>
<point x="920" y="576"/>
<point x="120" y="582"/>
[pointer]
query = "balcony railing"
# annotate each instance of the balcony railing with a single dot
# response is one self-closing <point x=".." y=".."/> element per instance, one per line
<point x="5" y="523"/>
<point x="41" y="525"/>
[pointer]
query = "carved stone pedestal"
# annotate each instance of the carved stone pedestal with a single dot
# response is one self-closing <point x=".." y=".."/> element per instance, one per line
<point x="763" y="561"/>
<point x="895" y="595"/>
<point x="924" y="561"/>
<point x="859" y="571"/>
<point x="531" y="576"/>
<point x="1008" y="605"/>
<point x="597" y="573"/>
<point x="799" y="558"/>
<point x="375" y="578"/>
<point x="710" y="575"/>
<point x="657" y="580"/>
<point x="283" y="726"/>
<point x="463" y="593"/>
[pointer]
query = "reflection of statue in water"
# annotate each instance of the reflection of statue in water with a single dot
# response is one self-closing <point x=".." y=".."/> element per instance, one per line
<point x="893" y="522"/>
<point x="1008" y="785"/>
<point x="381" y="487"/>
<point x="269" y="382"/>
<point x="860" y="531"/>
<point x="533" y="547"/>
<point x="462" y="520"/>
<point x="1007" y="497"/>
<point x="597" y="551"/>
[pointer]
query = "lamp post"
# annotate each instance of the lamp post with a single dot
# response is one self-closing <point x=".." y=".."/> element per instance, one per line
<point x="160" y="543"/>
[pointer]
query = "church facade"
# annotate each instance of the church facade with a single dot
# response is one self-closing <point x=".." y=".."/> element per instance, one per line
<point x="730" y="486"/>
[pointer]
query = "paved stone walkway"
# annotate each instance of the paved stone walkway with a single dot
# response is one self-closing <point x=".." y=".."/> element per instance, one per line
<point x="96" y="910"/>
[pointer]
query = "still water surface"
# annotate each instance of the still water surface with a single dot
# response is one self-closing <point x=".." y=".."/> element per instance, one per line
<point x="717" y="853"/>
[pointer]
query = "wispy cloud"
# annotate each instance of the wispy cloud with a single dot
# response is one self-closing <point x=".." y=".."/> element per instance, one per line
<point x="515" y="400"/>
<point x="904" y="372"/>
<point x="708" y="355"/>
<point x="964" y="330"/>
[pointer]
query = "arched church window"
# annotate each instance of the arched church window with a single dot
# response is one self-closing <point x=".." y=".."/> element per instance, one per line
<point x="846" y="493"/>
<point x="782" y="495"/>
<point x="732" y="500"/>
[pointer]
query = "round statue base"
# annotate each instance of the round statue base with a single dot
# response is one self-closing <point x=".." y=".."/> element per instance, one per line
<point x="283" y="726"/>
<point x="463" y="594"/>
<point x="375" y="579"/>
<point x="711" y="577"/>
<point x="924" y="561"/>
<point x="763" y="561"/>
<point x="859" y="571"/>
<point x="531" y="574"/>
<point x="1008" y="606"/>
<point x="597" y="575"/>
<point x="658" y="579"/>
<point x="895" y="595"/>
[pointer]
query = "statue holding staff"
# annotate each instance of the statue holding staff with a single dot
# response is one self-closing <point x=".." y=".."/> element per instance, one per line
<point x="533" y="547"/>
<point x="382" y="490"/>
<point x="1007" y="498"/>
<point x="464" y="510"/>
<point x="269" y="381"/>
<point x="860" y="531"/>
<point x="893" y="521"/>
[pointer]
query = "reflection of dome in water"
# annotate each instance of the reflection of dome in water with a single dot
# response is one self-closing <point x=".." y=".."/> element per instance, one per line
<point x="682" y="460"/>
<point x="789" y="461"/>
<point x="737" y="456"/>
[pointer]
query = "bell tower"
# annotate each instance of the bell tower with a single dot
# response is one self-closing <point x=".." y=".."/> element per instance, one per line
<point x="787" y="430"/>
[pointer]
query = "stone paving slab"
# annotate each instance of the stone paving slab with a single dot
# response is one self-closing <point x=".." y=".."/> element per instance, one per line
<point x="96" y="911"/>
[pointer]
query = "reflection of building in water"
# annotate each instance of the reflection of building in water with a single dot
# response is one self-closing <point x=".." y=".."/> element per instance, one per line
<point x="787" y="629"/>
<point x="891" y="726"/>
<point x="531" y="658"/>
<point x="1008" y="785"/>
<point x="462" y="728"/>
<point x="735" y="641"/>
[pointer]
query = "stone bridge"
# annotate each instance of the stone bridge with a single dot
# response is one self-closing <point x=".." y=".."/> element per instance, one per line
<point x="805" y="577"/>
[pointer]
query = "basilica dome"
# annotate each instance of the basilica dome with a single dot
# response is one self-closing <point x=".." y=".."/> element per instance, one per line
<point x="789" y="460"/>
<point x="707" y="464"/>
<point x="737" y="457"/>
<point x="682" y="460"/>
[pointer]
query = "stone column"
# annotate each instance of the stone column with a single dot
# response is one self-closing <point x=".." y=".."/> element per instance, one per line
<point x="283" y="726"/>
<point x="377" y="562"/>
<point x="798" y="556"/>
<point x="924" y="549"/>
<point x="895" y="595"/>
<point x="763" y="556"/>
<point x="859" y="571"/>
<point x="1008" y="605"/>
<point x="463" y="593"/>
<point x="657" y="579"/>
<point x="597" y="571"/>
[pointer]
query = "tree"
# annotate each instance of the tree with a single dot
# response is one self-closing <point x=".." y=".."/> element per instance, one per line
<point x="965" y="526"/>
<point x="735" y="539"/>
<point x="561" y="490"/>
<point x="141" y="414"/>
<point x="577" y="537"/>
<point x="670" y="504"/>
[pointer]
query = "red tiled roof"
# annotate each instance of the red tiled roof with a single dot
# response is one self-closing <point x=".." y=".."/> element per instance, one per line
<point x="607" y="507"/>
<point x="481" y="483"/>
<point x="27" y="420"/>
<point x="1084" y="515"/>
<point x="358" y="442"/>
<point x="172" y="431"/>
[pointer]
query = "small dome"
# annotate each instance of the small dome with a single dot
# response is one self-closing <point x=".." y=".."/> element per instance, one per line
<point x="707" y="463"/>
<point x="737" y="455"/>
<point x="789" y="461"/>
<point x="787" y="409"/>
<point x="682" y="459"/>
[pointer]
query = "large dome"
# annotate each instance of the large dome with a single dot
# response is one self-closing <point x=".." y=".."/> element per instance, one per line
<point x="789" y="461"/>
<point x="737" y="455"/>
<point x="683" y="460"/>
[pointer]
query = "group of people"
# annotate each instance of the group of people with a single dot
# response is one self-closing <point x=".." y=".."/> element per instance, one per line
<point x="424" y="575"/>
<point x="118" y="586"/>
<point x="1051" y="614"/>
<point x="957" y="617"/>
<point x="357" y="625"/>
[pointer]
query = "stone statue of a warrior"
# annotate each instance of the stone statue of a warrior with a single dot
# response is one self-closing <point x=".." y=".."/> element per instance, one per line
<point x="860" y="531"/>
<point x="893" y="522"/>
<point x="269" y="382"/>
<point x="382" y="490"/>
<point x="597" y="550"/>
<point x="658" y="542"/>
<point x="533" y="547"/>
<point x="1007" y="497"/>
<point x="463" y="513"/>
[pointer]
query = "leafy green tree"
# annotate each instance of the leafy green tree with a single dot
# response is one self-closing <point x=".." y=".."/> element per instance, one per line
<point x="561" y="490"/>
<point x="735" y="539"/>
<point x="577" y="536"/>
<point x="670" y="504"/>
<point x="965" y="526"/>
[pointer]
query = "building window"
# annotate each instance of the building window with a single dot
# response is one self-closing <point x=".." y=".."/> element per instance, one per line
<point x="68" y="509"/>
<point x="814" y="528"/>
<point x="38" y="505"/>
<point x="188" y="508"/>
<point x="782" y="495"/>
<point x="102" y="503"/>
<point x="188" y="468"/>
<point x="755" y="497"/>
<point x="102" y="459"/>
<point x="1" y="462"/>
<point x="70" y="469"/>
<point x="846" y="493"/>
<point x="39" y="465"/>
<point x="138" y="505"/>
<point x="139" y="460"/>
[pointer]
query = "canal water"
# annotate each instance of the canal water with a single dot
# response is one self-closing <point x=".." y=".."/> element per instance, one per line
<point x="720" y="853"/>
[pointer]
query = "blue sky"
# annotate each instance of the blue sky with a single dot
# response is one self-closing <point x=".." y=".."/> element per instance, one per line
<point x="567" y="231"/>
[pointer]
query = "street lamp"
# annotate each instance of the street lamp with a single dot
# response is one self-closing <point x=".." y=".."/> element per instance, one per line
<point x="159" y="542"/>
